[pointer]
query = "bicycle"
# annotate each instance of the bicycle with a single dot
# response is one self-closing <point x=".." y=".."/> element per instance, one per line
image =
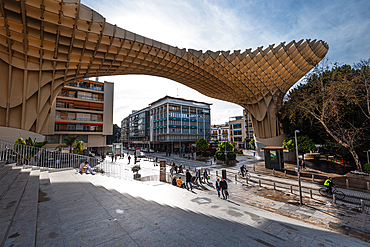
<point x="338" y="194"/>
<point x="246" y="174"/>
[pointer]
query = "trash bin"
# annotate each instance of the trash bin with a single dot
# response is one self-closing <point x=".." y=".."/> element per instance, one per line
<point x="224" y="174"/>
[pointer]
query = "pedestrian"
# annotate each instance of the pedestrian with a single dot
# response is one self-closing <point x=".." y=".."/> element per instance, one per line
<point x="181" y="169"/>
<point x="112" y="158"/>
<point x="223" y="185"/>
<point x="176" y="169"/>
<point x="205" y="175"/>
<point x="135" y="159"/>
<point x="129" y="158"/>
<point x="188" y="180"/>
<point x="115" y="158"/>
<point x="169" y="153"/>
<point x="171" y="171"/>
<point x="218" y="188"/>
<point x="197" y="176"/>
<point x="174" y="181"/>
<point x="166" y="152"/>
<point x="85" y="166"/>
<point x="303" y="165"/>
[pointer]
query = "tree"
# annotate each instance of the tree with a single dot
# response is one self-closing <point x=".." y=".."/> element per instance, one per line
<point x="202" y="144"/>
<point x="305" y="144"/>
<point x="252" y="143"/>
<point x="338" y="99"/>
<point x="229" y="146"/>
<point x="69" y="142"/>
<point x="80" y="145"/>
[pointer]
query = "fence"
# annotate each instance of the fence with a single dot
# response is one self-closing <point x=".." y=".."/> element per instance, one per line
<point x="33" y="156"/>
<point x="123" y="171"/>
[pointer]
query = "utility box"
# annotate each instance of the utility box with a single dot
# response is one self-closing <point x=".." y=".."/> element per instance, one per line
<point x="274" y="157"/>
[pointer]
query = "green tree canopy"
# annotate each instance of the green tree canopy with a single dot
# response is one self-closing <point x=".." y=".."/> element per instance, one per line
<point x="80" y="145"/>
<point x="305" y="144"/>
<point x="229" y="146"/>
<point x="202" y="144"/>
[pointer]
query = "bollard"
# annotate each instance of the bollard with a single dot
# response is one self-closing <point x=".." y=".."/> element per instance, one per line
<point x="284" y="173"/>
<point x="216" y="173"/>
<point x="368" y="186"/>
<point x="274" y="186"/>
<point x="273" y="171"/>
<point x="291" y="189"/>
<point x="311" y="194"/>
<point x="259" y="182"/>
<point x="254" y="168"/>
<point x="246" y="179"/>
<point x="195" y="169"/>
<point x="347" y="183"/>
<point x="362" y="206"/>
<point x="334" y="201"/>
<point x="236" y="176"/>
<point x="313" y="178"/>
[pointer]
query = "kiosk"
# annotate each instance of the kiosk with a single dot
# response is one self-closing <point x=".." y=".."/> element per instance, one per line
<point x="274" y="157"/>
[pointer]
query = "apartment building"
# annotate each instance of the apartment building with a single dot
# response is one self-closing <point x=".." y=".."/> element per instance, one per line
<point x="241" y="130"/>
<point x="220" y="132"/>
<point x="139" y="128"/>
<point x="83" y="108"/>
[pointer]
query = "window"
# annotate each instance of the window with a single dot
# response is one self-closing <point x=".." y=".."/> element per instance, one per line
<point x="53" y="139"/>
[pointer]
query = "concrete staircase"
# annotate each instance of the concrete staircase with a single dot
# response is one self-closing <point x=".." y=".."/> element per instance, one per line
<point x="64" y="208"/>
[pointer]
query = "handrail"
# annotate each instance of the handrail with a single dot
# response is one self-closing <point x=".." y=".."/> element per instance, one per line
<point x="28" y="155"/>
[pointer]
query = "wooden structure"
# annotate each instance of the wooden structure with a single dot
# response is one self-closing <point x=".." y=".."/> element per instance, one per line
<point x="45" y="44"/>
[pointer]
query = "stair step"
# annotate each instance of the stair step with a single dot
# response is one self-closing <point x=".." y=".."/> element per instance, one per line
<point x="23" y="228"/>
<point x="8" y="180"/>
<point x="10" y="201"/>
<point x="5" y="169"/>
<point x="48" y="227"/>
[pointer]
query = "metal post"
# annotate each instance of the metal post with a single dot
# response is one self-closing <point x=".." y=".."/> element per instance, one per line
<point x="246" y="179"/>
<point x="254" y="168"/>
<point x="362" y="206"/>
<point x="313" y="178"/>
<point x="291" y="189"/>
<point x="259" y="182"/>
<point x="299" y="176"/>
<point x="273" y="171"/>
<point x="236" y="176"/>
<point x="284" y="173"/>
<point x="334" y="201"/>
<point x="347" y="183"/>
<point x="216" y="173"/>
<point x="311" y="194"/>
<point x="274" y="186"/>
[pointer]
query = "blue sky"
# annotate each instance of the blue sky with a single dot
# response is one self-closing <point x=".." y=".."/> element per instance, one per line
<point x="230" y="25"/>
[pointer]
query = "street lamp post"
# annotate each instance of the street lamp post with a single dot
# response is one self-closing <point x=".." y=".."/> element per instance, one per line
<point x="299" y="176"/>
<point x="226" y="159"/>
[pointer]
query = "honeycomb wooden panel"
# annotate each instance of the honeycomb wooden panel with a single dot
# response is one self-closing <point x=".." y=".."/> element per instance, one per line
<point x="255" y="79"/>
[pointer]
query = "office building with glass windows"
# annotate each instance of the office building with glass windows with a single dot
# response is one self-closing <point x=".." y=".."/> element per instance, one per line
<point x="138" y="129"/>
<point x="83" y="108"/>
<point x="176" y="124"/>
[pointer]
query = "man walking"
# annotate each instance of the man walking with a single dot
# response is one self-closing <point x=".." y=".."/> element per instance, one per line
<point x="223" y="185"/>
<point x="188" y="180"/>
<point x="129" y="158"/>
<point x="218" y="188"/>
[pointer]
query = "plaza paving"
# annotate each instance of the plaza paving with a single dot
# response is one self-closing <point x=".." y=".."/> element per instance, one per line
<point x="64" y="208"/>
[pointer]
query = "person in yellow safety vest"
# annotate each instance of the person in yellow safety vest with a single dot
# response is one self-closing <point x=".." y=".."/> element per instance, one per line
<point x="329" y="184"/>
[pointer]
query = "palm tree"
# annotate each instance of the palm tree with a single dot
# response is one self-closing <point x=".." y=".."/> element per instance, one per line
<point x="69" y="142"/>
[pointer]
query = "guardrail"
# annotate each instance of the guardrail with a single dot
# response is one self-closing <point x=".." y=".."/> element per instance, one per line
<point x="33" y="156"/>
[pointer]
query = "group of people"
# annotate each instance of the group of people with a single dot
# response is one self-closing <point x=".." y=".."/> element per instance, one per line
<point x="178" y="182"/>
<point x="175" y="168"/>
<point x="222" y="186"/>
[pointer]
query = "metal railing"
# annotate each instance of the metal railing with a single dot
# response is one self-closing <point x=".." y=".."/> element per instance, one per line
<point x="33" y="156"/>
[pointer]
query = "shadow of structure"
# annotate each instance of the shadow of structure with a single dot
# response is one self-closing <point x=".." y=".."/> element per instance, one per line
<point x="71" y="211"/>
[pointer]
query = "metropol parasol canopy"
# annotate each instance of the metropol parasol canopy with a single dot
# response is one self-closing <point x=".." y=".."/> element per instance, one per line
<point x="45" y="44"/>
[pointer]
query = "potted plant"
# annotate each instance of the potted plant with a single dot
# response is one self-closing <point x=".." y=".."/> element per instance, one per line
<point x="136" y="168"/>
